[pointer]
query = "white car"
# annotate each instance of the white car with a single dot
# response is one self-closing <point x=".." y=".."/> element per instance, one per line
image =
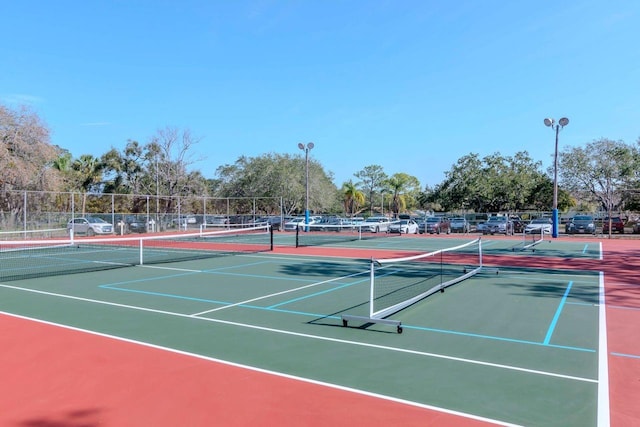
<point x="376" y="224"/>
<point x="404" y="226"/>
<point x="539" y="225"/>
<point x="293" y="224"/>
<point x="89" y="226"/>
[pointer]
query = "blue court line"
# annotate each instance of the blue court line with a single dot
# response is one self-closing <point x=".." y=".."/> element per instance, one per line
<point x="491" y="337"/>
<point x="633" y="356"/>
<point x="584" y="250"/>
<point x="552" y="326"/>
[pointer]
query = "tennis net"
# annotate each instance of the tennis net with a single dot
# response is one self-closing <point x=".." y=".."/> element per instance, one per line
<point x="49" y="257"/>
<point x="327" y="233"/>
<point x="397" y="283"/>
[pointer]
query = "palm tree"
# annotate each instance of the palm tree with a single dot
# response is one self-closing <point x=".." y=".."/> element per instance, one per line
<point x="89" y="173"/>
<point x="397" y="184"/>
<point x="63" y="165"/>
<point x="353" y="198"/>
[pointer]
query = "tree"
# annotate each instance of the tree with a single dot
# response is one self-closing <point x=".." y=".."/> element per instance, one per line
<point x="26" y="159"/>
<point x="278" y="177"/>
<point x="125" y="172"/>
<point x="493" y="184"/>
<point x="88" y="175"/>
<point x="62" y="164"/>
<point x="353" y="198"/>
<point x="26" y="154"/>
<point x="404" y="189"/>
<point x="602" y="170"/>
<point x="169" y="155"/>
<point x="372" y="180"/>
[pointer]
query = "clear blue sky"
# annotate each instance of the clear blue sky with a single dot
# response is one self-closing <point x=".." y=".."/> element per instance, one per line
<point x="408" y="85"/>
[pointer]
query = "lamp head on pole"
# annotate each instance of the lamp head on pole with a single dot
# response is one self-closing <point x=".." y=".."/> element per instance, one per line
<point x="561" y="123"/>
<point x="306" y="147"/>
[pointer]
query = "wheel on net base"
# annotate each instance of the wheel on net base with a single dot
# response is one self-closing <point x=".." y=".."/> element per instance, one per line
<point x="399" y="329"/>
<point x="344" y="323"/>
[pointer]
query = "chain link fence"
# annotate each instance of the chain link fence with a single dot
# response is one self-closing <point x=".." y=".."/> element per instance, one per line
<point x="47" y="213"/>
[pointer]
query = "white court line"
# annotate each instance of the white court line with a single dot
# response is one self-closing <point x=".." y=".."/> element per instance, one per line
<point x="316" y="337"/>
<point x="603" y="362"/>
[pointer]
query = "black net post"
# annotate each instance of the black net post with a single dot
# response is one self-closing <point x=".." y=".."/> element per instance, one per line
<point x="270" y="237"/>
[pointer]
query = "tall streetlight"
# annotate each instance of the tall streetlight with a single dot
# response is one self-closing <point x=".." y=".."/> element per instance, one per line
<point x="556" y="127"/>
<point x="306" y="148"/>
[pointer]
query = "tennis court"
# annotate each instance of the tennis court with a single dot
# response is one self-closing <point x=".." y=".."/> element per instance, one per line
<point x="520" y="343"/>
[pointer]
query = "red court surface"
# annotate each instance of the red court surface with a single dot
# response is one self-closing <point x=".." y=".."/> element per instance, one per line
<point x="58" y="377"/>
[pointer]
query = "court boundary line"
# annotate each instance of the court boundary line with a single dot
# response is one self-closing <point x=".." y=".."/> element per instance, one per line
<point x="604" y="405"/>
<point x="317" y="337"/>
<point x="265" y="371"/>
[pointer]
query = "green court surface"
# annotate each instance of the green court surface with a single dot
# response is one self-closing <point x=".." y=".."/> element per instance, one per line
<point x="512" y="345"/>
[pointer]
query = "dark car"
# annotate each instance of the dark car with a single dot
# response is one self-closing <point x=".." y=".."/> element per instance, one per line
<point x="518" y="224"/>
<point x="135" y="225"/>
<point x="617" y="225"/>
<point x="435" y="225"/>
<point x="580" y="224"/>
<point x="274" y="221"/>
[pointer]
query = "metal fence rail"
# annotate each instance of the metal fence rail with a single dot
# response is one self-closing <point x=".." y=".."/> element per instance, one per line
<point x="38" y="210"/>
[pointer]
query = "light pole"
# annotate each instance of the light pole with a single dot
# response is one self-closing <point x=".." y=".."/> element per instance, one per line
<point x="556" y="127"/>
<point x="306" y="148"/>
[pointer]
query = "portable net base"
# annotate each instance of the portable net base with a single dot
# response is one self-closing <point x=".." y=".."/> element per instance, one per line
<point x="398" y="283"/>
<point x="42" y="258"/>
<point x="532" y="239"/>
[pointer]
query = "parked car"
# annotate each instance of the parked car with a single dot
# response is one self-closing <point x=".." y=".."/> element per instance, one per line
<point x="331" y="223"/>
<point x="356" y="220"/>
<point x="404" y="226"/>
<point x="216" y="221"/>
<point x="293" y="224"/>
<point x="498" y="225"/>
<point x="274" y="221"/>
<point x="459" y="225"/>
<point x="436" y="225"/>
<point x="539" y="225"/>
<point x="135" y="225"/>
<point x="636" y="227"/>
<point x="89" y="226"/>
<point x="184" y="221"/>
<point x="376" y="224"/>
<point x="617" y="225"/>
<point x="580" y="224"/>
<point x="518" y="224"/>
